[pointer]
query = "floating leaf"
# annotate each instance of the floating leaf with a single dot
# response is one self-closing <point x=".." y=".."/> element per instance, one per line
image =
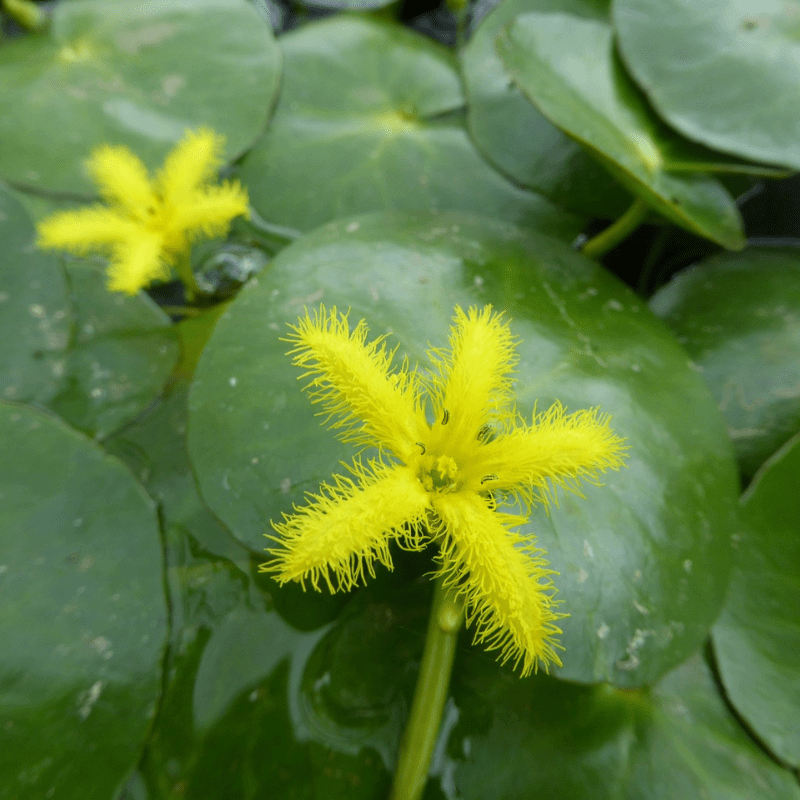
<point x="519" y="739"/>
<point x="36" y="315"/>
<point x="95" y="358"/>
<point x="567" y="68"/>
<point x="515" y="137"/>
<point x="740" y="95"/>
<point x="644" y="560"/>
<point x="84" y="617"/>
<point x="136" y="74"/>
<point x="757" y="637"/>
<point x="738" y="316"/>
<point x="370" y="117"/>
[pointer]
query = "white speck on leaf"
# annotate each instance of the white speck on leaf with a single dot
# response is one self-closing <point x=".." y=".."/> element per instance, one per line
<point x="635" y="644"/>
<point x="88" y="698"/>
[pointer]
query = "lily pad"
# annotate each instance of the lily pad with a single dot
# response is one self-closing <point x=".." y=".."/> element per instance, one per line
<point x="84" y="617"/>
<point x="757" y="637"/>
<point x="643" y="561"/>
<point x="121" y="353"/>
<point x="738" y="316"/>
<point x="95" y="358"/>
<point x="675" y="739"/>
<point x="35" y="319"/>
<point x="515" y="137"/>
<point x="745" y="65"/>
<point x="136" y="74"/>
<point x="370" y="117"/>
<point x="567" y="67"/>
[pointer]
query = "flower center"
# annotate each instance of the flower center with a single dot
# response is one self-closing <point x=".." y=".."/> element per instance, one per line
<point x="439" y="474"/>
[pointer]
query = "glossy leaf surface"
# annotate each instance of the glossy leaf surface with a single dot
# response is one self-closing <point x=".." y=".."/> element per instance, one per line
<point x="228" y="725"/>
<point x="738" y="316"/>
<point x="94" y="357"/>
<point x="515" y="137"/>
<point x="591" y="98"/>
<point x="757" y="637"/>
<point x="84" y="617"/>
<point x="370" y="118"/>
<point x="136" y="74"/>
<point x="35" y="315"/>
<point x="675" y="739"/>
<point x="643" y="560"/>
<point x="745" y="64"/>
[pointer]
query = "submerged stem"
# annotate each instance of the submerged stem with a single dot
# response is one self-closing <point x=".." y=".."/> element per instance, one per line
<point x="599" y="245"/>
<point x="430" y="694"/>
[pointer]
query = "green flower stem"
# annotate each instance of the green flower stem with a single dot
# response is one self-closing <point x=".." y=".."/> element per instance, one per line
<point x="430" y="694"/>
<point x="599" y="245"/>
<point x="183" y="266"/>
<point x="26" y="13"/>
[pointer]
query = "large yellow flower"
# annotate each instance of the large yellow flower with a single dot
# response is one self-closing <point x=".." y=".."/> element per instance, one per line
<point x="440" y="481"/>
<point x="148" y="224"/>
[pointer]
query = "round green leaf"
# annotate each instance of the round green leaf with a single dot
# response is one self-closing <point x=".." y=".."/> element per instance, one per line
<point x="234" y="720"/>
<point x="84" y="618"/>
<point x="34" y="309"/>
<point x="643" y="561"/>
<point x="520" y="739"/>
<point x="370" y="117"/>
<point x="136" y="74"/>
<point x="757" y="637"/>
<point x="121" y="353"/>
<point x="567" y="68"/>
<point x="738" y="315"/>
<point x="740" y="95"/>
<point x="515" y="137"/>
<point x="94" y="357"/>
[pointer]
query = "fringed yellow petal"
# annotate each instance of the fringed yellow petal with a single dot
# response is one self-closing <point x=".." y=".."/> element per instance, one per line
<point x="84" y="230"/>
<point x="558" y="449"/>
<point x="473" y="387"/>
<point x="194" y="161"/>
<point x="211" y="210"/>
<point x="338" y="537"/>
<point x="363" y="398"/>
<point x="122" y="179"/>
<point x="137" y="263"/>
<point x="502" y="577"/>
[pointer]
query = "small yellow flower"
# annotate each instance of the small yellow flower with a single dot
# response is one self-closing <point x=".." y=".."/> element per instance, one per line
<point x="148" y="223"/>
<point x="440" y="481"/>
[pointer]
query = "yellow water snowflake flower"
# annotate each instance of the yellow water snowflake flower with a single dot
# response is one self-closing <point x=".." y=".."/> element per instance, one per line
<point x="147" y="223"/>
<point x="442" y="481"/>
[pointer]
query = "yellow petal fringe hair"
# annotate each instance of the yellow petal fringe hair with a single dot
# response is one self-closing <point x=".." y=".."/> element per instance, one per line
<point x="148" y="223"/>
<point x="439" y="482"/>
